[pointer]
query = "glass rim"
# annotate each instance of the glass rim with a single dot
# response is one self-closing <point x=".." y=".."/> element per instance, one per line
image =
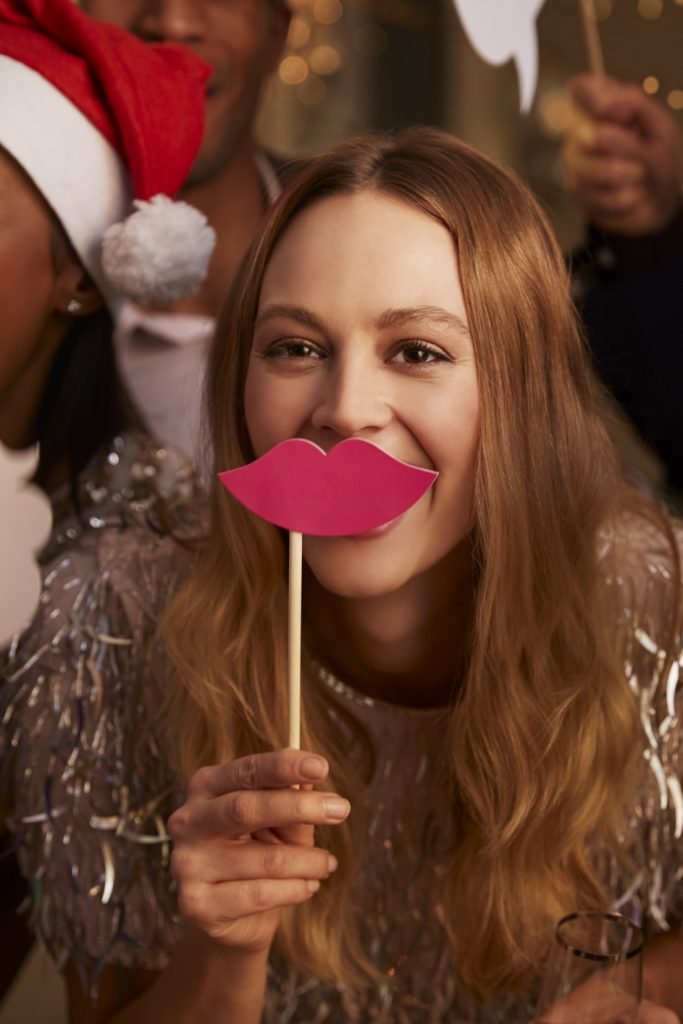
<point x="612" y="915"/>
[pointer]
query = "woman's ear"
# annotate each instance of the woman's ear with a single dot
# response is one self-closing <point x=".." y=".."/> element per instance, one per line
<point x="76" y="294"/>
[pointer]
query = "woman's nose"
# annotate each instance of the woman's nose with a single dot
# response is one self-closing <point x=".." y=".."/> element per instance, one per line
<point x="351" y="403"/>
<point x="173" y="21"/>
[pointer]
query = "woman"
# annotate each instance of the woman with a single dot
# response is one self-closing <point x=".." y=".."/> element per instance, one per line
<point x="469" y="668"/>
<point x="77" y="142"/>
<point x="410" y="293"/>
<point x="82" y="130"/>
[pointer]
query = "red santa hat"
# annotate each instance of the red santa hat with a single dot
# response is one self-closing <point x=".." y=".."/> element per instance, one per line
<point x="100" y="120"/>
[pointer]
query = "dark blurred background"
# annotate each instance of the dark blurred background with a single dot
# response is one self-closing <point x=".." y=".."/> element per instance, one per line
<point x="352" y="65"/>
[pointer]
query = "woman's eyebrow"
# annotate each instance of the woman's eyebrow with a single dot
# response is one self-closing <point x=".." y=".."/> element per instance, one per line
<point x="432" y="314"/>
<point x="298" y="313"/>
<point x="389" y="318"/>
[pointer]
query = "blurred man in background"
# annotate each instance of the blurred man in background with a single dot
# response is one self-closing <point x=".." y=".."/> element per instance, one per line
<point x="623" y="162"/>
<point x="161" y="353"/>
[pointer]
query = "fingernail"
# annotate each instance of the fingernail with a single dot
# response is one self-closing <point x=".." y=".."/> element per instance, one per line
<point x="313" y="768"/>
<point x="312" y="885"/>
<point x="586" y="133"/>
<point x="332" y="863"/>
<point x="336" y="808"/>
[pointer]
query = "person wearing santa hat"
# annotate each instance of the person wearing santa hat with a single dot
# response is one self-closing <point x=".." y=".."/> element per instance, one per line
<point x="89" y="167"/>
<point x="232" y="181"/>
<point x="88" y="174"/>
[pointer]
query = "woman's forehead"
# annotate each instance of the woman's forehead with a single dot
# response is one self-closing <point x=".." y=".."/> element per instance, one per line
<point x="369" y="238"/>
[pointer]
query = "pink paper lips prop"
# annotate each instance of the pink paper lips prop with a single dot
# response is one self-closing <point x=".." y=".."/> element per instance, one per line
<point x="353" y="489"/>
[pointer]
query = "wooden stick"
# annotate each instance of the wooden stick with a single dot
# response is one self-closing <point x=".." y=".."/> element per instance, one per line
<point x="596" y="61"/>
<point x="295" y="560"/>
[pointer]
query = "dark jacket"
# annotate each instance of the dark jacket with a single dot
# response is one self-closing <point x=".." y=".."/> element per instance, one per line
<point x="630" y="294"/>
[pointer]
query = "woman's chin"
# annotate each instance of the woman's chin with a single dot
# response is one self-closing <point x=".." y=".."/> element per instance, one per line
<point x="356" y="590"/>
<point x="356" y="578"/>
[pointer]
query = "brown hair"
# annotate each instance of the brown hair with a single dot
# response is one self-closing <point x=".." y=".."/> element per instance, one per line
<point x="544" y="733"/>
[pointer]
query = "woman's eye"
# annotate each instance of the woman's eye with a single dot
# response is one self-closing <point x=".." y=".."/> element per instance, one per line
<point x="419" y="353"/>
<point x="293" y="348"/>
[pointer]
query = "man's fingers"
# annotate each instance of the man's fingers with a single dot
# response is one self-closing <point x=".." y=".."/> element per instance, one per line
<point x="610" y="140"/>
<point x="610" y="210"/>
<point x="623" y="104"/>
<point x="273" y="770"/>
<point x="610" y="202"/>
<point x="602" y="97"/>
<point x="589" y="137"/>
<point x="627" y="104"/>
<point x="588" y="91"/>
<point x="607" y="172"/>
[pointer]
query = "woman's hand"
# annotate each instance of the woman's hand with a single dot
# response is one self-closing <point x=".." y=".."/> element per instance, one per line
<point x="243" y="844"/>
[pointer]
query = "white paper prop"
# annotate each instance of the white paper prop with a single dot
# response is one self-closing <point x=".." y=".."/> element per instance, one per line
<point x="500" y="30"/>
<point x="25" y="520"/>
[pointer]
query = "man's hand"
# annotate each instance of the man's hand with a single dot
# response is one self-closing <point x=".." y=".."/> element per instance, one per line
<point x="623" y="157"/>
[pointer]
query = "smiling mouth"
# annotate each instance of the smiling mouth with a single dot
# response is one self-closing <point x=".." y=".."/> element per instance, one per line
<point x="377" y="531"/>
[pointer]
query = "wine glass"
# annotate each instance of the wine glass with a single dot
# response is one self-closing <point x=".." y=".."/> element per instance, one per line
<point x="594" y="972"/>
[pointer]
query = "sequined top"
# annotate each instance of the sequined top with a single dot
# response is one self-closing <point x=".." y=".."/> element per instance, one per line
<point x="92" y="789"/>
<point x="89" y="790"/>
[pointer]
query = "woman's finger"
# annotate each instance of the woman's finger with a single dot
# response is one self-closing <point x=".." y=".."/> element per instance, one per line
<point x="211" y="905"/>
<point x="226" y="861"/>
<point x="243" y="812"/>
<point x="273" y="770"/>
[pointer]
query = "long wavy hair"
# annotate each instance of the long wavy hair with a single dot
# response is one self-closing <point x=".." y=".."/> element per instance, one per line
<point x="544" y="735"/>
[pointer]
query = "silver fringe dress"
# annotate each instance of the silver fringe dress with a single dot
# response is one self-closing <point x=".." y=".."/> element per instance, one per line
<point x="92" y="789"/>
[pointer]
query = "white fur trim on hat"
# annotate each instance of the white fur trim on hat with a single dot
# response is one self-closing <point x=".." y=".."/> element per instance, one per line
<point x="160" y="253"/>
<point x="78" y="171"/>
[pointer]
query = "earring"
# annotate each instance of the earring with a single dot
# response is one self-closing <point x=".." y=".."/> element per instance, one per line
<point x="73" y="306"/>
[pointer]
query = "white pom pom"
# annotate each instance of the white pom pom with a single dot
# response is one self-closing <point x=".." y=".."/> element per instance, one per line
<point x="160" y="253"/>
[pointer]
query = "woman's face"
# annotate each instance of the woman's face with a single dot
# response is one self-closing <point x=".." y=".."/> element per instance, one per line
<point x="362" y="332"/>
<point x="27" y="274"/>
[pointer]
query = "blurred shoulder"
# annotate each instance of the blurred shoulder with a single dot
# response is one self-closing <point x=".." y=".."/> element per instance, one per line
<point x="645" y="544"/>
<point x="133" y="481"/>
<point x="642" y="553"/>
<point x="119" y="550"/>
